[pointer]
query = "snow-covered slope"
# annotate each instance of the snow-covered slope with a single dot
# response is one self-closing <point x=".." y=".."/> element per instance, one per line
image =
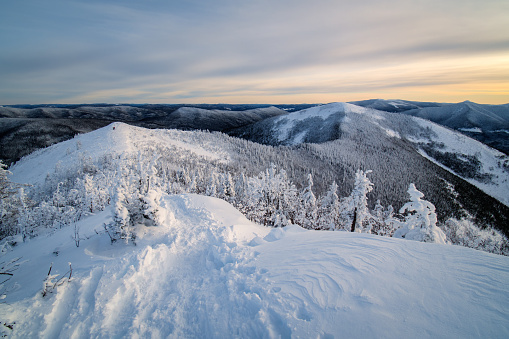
<point x="467" y="114"/>
<point x="208" y="272"/>
<point x="368" y="139"/>
<point x="486" y="123"/>
<point x="24" y="130"/>
<point x="115" y="140"/>
<point x="395" y="106"/>
<point x="473" y="161"/>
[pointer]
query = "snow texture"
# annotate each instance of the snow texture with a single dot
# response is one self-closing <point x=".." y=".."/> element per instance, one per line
<point x="207" y="272"/>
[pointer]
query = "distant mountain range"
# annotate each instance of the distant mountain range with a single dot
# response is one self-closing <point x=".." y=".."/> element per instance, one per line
<point x="331" y="141"/>
<point x="30" y="127"/>
<point x="25" y="128"/>
<point x="486" y="123"/>
<point x="395" y="146"/>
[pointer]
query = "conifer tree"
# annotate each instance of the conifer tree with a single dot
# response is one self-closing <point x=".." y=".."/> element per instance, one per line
<point x="420" y="220"/>
<point x="328" y="210"/>
<point x="357" y="203"/>
<point x="308" y="215"/>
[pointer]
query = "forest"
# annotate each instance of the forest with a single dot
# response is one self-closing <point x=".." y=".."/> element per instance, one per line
<point x="275" y="188"/>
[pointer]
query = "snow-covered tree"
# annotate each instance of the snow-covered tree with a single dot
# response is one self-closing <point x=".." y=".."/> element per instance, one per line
<point x="211" y="190"/>
<point x="6" y="187"/>
<point x="308" y="215"/>
<point x="328" y="210"/>
<point x="121" y="227"/>
<point x="229" y="187"/>
<point x="465" y="232"/>
<point x="9" y="205"/>
<point x="354" y="213"/>
<point x="420" y="220"/>
<point x="382" y="220"/>
<point x="270" y="194"/>
<point x="150" y="207"/>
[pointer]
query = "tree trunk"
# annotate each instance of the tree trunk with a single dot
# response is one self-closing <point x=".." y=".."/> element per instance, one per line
<point x="354" y="219"/>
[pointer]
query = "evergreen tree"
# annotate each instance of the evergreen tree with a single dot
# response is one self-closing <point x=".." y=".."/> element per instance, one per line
<point x="328" y="210"/>
<point x="150" y="205"/>
<point x="357" y="203"/>
<point x="308" y="215"/>
<point x="229" y="187"/>
<point x="382" y="220"/>
<point x="9" y="204"/>
<point x="420" y="220"/>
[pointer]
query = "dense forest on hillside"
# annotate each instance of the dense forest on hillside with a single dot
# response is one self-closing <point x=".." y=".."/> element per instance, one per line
<point x="330" y="197"/>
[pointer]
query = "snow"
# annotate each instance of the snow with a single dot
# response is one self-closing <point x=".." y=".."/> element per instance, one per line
<point x="287" y="122"/>
<point x="391" y="133"/>
<point x="208" y="272"/>
<point x="491" y="160"/>
<point x="116" y="139"/>
<point x="471" y="130"/>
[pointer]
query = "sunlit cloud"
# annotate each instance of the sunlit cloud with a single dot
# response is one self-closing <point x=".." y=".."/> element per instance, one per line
<point x="257" y="51"/>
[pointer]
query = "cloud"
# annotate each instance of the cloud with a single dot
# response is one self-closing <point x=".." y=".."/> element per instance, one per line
<point x="202" y="49"/>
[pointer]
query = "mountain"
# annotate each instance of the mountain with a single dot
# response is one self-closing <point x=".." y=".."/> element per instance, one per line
<point x="21" y="136"/>
<point x="206" y="271"/>
<point x="395" y="106"/>
<point x="191" y="118"/>
<point x="395" y="162"/>
<point x="114" y="237"/>
<point x="359" y="132"/>
<point x="486" y="123"/>
<point x="346" y="138"/>
<point x="24" y="129"/>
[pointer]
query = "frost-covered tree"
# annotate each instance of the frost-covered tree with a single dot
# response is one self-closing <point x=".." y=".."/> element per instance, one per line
<point x="211" y="190"/>
<point x="121" y="227"/>
<point x="308" y="215"/>
<point x="270" y="194"/>
<point x="6" y="187"/>
<point x="151" y="207"/>
<point x="382" y="220"/>
<point x="95" y="195"/>
<point x="465" y="232"/>
<point x="9" y="204"/>
<point x="420" y="220"/>
<point x="229" y="187"/>
<point x="25" y="220"/>
<point x="354" y="213"/>
<point x="240" y="187"/>
<point x="328" y="210"/>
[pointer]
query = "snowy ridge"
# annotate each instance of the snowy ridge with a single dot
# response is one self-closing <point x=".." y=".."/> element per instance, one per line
<point x="486" y="168"/>
<point x="286" y="124"/>
<point x="208" y="272"/>
<point x="114" y="140"/>
<point x="492" y="163"/>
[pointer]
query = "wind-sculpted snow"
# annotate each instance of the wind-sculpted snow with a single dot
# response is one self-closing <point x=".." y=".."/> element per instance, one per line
<point x="207" y="272"/>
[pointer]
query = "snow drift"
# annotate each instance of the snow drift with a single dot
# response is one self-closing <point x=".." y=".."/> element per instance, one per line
<point x="208" y="272"/>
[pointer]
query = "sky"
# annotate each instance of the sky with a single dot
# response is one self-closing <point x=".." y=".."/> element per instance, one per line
<point x="253" y="51"/>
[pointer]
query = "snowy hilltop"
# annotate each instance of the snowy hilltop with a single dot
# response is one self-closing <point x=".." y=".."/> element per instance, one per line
<point x="207" y="272"/>
<point x="129" y="232"/>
